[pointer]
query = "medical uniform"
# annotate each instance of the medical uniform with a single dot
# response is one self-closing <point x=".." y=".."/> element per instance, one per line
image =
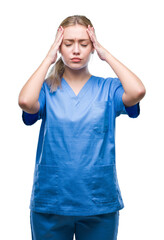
<point x="75" y="170"/>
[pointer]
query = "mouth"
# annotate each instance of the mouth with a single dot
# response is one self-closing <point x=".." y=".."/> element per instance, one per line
<point x="76" y="59"/>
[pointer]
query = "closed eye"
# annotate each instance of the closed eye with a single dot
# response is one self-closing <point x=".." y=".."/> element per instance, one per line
<point x="67" y="45"/>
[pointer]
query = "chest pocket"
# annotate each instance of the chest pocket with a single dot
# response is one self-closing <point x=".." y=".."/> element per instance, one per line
<point x="101" y="115"/>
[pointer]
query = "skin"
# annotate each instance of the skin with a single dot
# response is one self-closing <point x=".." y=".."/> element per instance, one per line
<point x="133" y="87"/>
<point x="29" y="94"/>
<point x="76" y="74"/>
<point x="76" y="43"/>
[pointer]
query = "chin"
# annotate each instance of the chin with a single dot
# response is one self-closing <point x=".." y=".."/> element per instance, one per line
<point x="75" y="66"/>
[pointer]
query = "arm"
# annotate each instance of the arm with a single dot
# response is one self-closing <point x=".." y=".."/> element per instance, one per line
<point x="28" y="97"/>
<point x="133" y="87"/>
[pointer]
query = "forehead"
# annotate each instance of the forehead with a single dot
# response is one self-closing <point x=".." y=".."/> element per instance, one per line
<point x="76" y="32"/>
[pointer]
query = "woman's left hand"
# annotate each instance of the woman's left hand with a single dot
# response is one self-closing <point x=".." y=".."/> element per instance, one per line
<point x="101" y="51"/>
<point x="134" y="89"/>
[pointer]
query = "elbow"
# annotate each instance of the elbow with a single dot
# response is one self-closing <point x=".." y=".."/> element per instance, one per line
<point x="21" y="102"/>
<point x="130" y="100"/>
<point x="141" y="93"/>
<point x="24" y="104"/>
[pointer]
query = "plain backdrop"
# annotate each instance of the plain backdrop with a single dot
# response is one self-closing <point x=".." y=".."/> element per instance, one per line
<point x="132" y="31"/>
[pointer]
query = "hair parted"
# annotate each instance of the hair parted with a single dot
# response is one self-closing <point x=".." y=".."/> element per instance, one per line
<point x="56" y="73"/>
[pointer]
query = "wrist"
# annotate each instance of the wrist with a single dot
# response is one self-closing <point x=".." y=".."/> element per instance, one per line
<point x="47" y="61"/>
<point x="108" y="56"/>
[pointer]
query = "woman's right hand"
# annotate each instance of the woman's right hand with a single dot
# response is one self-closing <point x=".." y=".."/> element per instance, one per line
<point x="52" y="54"/>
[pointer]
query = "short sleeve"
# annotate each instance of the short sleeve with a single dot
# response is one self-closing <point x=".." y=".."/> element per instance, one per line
<point x="120" y="108"/>
<point x="29" y="118"/>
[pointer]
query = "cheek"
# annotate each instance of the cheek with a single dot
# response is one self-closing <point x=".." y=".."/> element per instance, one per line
<point x="64" y="51"/>
<point x="89" y="49"/>
<point x="88" y="52"/>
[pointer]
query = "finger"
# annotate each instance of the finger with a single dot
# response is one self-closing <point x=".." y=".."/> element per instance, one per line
<point x="90" y="30"/>
<point x="60" y="31"/>
<point x="59" y="42"/>
<point x="91" y="35"/>
<point x="60" y="39"/>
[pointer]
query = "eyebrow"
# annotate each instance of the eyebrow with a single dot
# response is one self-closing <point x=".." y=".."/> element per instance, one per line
<point x="72" y="40"/>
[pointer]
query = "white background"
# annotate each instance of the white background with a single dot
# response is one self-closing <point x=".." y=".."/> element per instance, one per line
<point x="133" y="32"/>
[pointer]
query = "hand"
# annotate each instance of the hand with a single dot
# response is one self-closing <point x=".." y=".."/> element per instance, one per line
<point x="101" y="51"/>
<point x="52" y="54"/>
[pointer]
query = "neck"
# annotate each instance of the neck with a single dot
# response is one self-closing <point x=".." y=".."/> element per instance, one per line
<point x="76" y="75"/>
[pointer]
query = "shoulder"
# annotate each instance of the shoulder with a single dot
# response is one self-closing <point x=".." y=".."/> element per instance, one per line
<point x="102" y="80"/>
<point x="110" y="82"/>
<point x="46" y="86"/>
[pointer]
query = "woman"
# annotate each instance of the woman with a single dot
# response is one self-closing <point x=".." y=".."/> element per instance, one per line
<point x="75" y="187"/>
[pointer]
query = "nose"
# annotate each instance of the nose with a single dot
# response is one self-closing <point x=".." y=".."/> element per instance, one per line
<point x="76" y="49"/>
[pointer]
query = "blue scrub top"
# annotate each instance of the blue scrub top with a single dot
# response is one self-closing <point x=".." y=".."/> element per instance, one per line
<point x="75" y="170"/>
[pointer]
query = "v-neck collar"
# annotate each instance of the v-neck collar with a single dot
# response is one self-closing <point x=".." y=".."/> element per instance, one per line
<point x="82" y="90"/>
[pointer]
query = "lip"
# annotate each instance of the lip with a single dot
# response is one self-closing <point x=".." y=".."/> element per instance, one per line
<point x="76" y="59"/>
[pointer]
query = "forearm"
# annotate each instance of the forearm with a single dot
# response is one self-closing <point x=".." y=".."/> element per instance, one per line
<point x="30" y="92"/>
<point x="133" y="87"/>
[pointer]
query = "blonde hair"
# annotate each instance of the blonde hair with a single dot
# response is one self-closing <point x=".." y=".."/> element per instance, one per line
<point x="56" y="73"/>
